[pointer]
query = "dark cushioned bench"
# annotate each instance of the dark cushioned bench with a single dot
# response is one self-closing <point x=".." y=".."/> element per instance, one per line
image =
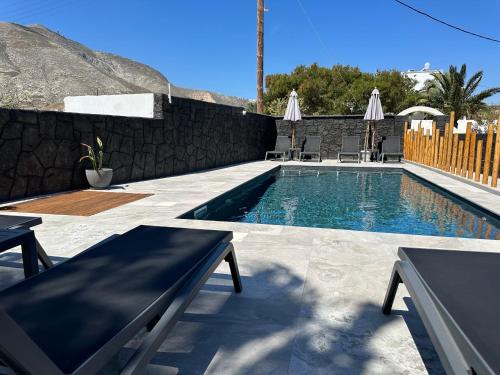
<point x="105" y="295"/>
<point x="26" y="222"/>
<point x="11" y="221"/>
<point x="457" y="295"/>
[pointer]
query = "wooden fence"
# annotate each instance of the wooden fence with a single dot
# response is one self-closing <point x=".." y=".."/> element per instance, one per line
<point x="451" y="154"/>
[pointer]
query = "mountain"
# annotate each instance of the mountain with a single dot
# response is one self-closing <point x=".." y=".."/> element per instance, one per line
<point x="39" y="67"/>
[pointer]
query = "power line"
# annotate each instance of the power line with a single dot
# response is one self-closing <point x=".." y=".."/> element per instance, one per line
<point x="313" y="28"/>
<point x="37" y="8"/>
<point x="323" y="44"/>
<point x="446" y="23"/>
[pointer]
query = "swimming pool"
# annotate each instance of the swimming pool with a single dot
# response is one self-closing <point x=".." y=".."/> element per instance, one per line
<point x="365" y="199"/>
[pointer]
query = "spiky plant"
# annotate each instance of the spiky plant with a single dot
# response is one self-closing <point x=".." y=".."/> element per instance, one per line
<point x="451" y="91"/>
<point x="95" y="159"/>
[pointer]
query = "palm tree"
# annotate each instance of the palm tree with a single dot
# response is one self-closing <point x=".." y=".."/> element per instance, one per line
<point x="450" y="92"/>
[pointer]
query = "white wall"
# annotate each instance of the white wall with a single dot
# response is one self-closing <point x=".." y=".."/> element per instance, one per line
<point x="421" y="78"/>
<point x="132" y="105"/>
<point x="425" y="124"/>
<point x="462" y="126"/>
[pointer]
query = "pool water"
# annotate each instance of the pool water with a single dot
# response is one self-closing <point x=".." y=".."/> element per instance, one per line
<point x="391" y="201"/>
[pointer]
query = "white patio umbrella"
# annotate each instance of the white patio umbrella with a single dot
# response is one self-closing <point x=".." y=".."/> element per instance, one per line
<point x="292" y="112"/>
<point x="373" y="113"/>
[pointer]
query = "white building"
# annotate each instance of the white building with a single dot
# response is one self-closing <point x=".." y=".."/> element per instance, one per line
<point x="461" y="127"/>
<point x="133" y="105"/>
<point x="421" y="76"/>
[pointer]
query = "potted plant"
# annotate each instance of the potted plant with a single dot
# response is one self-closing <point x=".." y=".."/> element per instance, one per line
<point x="98" y="177"/>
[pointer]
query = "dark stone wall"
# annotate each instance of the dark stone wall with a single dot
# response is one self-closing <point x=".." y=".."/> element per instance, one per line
<point x="484" y="138"/>
<point x="441" y="121"/>
<point x="332" y="128"/>
<point x="39" y="151"/>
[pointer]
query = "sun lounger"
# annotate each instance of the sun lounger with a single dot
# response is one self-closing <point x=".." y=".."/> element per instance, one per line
<point x="312" y="147"/>
<point x="456" y="295"/>
<point x="350" y="147"/>
<point x="283" y="145"/>
<point x="26" y="239"/>
<point x="26" y="222"/>
<point x="391" y="147"/>
<point x="14" y="222"/>
<point x="76" y="316"/>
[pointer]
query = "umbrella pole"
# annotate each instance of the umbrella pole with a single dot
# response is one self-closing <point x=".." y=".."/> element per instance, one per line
<point x="367" y="136"/>
<point x="373" y="136"/>
<point x="292" y="125"/>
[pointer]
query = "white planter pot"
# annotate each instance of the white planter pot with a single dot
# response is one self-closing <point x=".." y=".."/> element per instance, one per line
<point x="99" y="180"/>
<point x="365" y="155"/>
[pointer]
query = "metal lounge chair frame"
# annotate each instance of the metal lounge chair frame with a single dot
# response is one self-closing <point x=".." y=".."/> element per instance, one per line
<point x="21" y="354"/>
<point x="391" y="147"/>
<point x="26" y="222"/>
<point x="312" y="147"/>
<point x="282" y="147"/>
<point x="457" y="354"/>
<point x="350" y="147"/>
<point x="26" y="239"/>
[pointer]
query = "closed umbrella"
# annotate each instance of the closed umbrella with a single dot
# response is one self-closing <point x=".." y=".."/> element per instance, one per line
<point x="292" y="112"/>
<point x="373" y="113"/>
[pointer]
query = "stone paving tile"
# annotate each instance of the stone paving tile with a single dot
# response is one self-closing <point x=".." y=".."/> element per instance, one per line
<point x="311" y="299"/>
<point x="345" y="331"/>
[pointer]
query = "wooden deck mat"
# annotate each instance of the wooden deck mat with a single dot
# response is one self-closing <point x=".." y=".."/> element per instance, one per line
<point x="79" y="203"/>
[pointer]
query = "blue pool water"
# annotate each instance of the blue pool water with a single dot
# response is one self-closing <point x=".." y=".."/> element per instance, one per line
<point x="377" y="201"/>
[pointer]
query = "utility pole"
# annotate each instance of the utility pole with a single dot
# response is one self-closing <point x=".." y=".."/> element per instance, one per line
<point x="260" y="56"/>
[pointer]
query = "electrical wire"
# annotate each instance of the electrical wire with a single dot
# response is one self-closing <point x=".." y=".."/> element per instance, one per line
<point x="323" y="44"/>
<point x="446" y="23"/>
<point x="37" y="9"/>
<point x="313" y="28"/>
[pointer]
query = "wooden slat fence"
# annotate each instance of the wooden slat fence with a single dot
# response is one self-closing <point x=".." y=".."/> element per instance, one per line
<point x="457" y="155"/>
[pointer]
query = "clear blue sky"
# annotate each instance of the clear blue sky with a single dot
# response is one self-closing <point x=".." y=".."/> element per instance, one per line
<point x="211" y="44"/>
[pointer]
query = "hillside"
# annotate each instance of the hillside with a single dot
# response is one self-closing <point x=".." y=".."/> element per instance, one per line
<point x="39" y="67"/>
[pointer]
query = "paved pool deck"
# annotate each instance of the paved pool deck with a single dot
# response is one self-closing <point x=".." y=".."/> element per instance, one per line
<point x="311" y="299"/>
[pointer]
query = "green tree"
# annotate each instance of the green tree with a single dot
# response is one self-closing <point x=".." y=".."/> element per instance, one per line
<point x="251" y="106"/>
<point x="340" y="89"/>
<point x="451" y="91"/>
<point x="396" y="91"/>
<point x="488" y="114"/>
<point x="277" y="107"/>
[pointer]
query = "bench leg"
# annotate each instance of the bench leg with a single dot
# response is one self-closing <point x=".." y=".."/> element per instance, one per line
<point x="30" y="259"/>
<point x="391" y="291"/>
<point x="235" y="273"/>
<point x="42" y="256"/>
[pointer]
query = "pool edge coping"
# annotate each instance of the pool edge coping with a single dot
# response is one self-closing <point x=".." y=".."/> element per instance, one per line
<point x="457" y="178"/>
